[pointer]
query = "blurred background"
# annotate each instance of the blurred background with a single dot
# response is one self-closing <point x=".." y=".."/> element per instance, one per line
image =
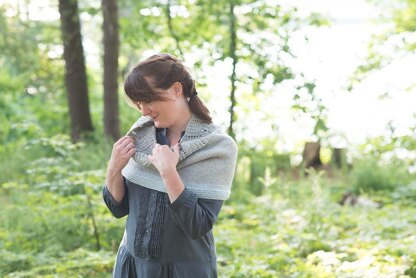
<point x="319" y="95"/>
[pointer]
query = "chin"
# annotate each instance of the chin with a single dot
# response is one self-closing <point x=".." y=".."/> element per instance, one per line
<point x="158" y="124"/>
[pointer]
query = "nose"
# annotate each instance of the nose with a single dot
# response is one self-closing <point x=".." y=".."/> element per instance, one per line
<point x="146" y="111"/>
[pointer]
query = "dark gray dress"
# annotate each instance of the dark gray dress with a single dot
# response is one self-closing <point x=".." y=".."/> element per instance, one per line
<point x="164" y="239"/>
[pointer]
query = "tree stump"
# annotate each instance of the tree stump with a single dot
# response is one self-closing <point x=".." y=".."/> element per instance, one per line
<point x="311" y="155"/>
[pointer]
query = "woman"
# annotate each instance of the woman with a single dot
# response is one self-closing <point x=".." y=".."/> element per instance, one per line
<point x="170" y="175"/>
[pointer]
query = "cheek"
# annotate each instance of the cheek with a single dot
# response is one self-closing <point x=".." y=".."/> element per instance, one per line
<point x="167" y="109"/>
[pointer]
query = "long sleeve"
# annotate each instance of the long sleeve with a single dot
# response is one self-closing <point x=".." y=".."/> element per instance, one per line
<point x="117" y="209"/>
<point x="194" y="215"/>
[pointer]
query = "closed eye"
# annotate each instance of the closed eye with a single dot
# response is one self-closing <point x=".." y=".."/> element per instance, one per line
<point x="139" y="103"/>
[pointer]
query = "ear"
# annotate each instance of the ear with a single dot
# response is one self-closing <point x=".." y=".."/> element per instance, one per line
<point x="177" y="88"/>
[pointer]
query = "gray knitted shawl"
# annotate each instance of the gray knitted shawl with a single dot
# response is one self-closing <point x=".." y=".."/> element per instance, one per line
<point x="207" y="159"/>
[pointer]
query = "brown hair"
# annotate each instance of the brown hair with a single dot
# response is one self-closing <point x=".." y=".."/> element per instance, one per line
<point x="162" y="70"/>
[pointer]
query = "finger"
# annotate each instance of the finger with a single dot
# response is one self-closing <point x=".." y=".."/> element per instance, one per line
<point x="129" y="146"/>
<point x="129" y="138"/>
<point x="131" y="152"/>
<point x="176" y="148"/>
<point x="126" y="142"/>
<point x="119" y="141"/>
<point x="156" y="148"/>
<point x="172" y="148"/>
<point x="165" y="147"/>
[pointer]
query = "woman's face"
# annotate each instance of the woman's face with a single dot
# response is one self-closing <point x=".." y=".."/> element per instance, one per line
<point x="163" y="112"/>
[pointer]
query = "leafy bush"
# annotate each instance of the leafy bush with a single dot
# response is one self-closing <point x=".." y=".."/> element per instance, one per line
<point x="370" y="175"/>
<point x="254" y="164"/>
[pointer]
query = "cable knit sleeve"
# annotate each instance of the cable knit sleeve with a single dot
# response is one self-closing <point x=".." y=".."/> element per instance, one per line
<point x="117" y="209"/>
<point x="194" y="215"/>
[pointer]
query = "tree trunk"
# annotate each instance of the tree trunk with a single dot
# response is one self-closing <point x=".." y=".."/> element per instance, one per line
<point x="311" y="155"/>
<point x="233" y="46"/>
<point x="75" y="73"/>
<point x="110" y="77"/>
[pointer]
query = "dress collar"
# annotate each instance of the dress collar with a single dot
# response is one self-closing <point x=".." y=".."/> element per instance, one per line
<point x="163" y="131"/>
<point x="162" y="138"/>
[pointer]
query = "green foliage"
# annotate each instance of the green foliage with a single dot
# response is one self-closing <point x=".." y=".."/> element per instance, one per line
<point x="49" y="208"/>
<point x="294" y="228"/>
<point x="254" y="165"/>
<point x="297" y="230"/>
<point x="404" y="16"/>
<point x="274" y="225"/>
<point x="370" y="175"/>
<point x="79" y="263"/>
<point x="308" y="102"/>
<point x="397" y="37"/>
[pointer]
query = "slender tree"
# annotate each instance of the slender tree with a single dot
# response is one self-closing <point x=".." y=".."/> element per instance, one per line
<point x="111" y="51"/>
<point x="75" y="73"/>
<point x="171" y="28"/>
<point x="233" y="47"/>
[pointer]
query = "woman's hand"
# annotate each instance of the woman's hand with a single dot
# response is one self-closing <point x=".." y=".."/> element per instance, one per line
<point x="164" y="158"/>
<point x="123" y="149"/>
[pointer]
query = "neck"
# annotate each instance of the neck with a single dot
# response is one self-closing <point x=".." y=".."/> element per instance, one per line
<point x="176" y="129"/>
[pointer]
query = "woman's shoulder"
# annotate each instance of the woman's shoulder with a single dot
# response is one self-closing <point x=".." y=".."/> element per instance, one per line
<point x="221" y="139"/>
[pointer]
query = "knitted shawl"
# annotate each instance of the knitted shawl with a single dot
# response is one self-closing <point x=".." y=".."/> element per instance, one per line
<point x="207" y="159"/>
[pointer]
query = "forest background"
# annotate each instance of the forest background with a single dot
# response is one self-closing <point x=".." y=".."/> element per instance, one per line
<point x="312" y="196"/>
